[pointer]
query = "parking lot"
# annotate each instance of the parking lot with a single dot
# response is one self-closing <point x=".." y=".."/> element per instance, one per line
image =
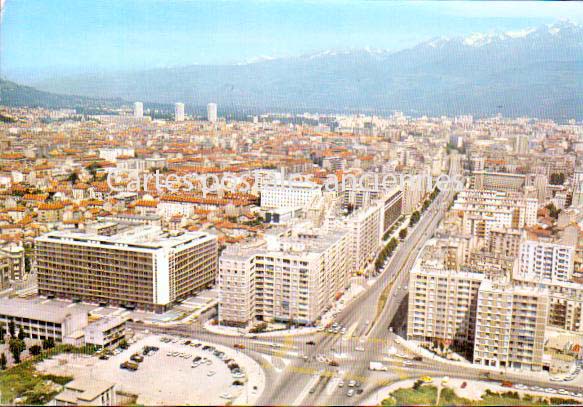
<point x="170" y="375"/>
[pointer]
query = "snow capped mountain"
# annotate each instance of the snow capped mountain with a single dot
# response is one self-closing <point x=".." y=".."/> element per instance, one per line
<point x="478" y="39"/>
<point x="534" y="72"/>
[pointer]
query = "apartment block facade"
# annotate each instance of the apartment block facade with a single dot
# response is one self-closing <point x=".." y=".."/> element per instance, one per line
<point x="137" y="268"/>
<point x="565" y="302"/>
<point x="442" y="305"/>
<point x="288" y="194"/>
<point x="551" y="260"/>
<point x="292" y="277"/>
<point x="485" y="211"/>
<point x="510" y="326"/>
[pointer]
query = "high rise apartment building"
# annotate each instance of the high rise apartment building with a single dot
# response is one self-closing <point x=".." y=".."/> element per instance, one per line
<point x="510" y="326"/>
<point x="179" y="112"/>
<point x="212" y="112"/>
<point x="565" y="302"/>
<point x="484" y="211"/>
<point x="138" y="110"/>
<point x="540" y="259"/>
<point x="442" y="305"/>
<point x="291" y="277"/>
<point x="521" y="144"/>
<point x="365" y="229"/>
<point x="139" y="267"/>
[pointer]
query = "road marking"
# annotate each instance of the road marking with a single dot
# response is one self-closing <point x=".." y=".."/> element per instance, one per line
<point x="350" y="331"/>
<point x="304" y="393"/>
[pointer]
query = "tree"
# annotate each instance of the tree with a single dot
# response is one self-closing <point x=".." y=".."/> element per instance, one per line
<point x="73" y="178"/>
<point x="12" y="329"/>
<point x="35" y="350"/>
<point x="553" y="211"/>
<point x="16" y="347"/>
<point x="557" y="178"/>
<point x="21" y="334"/>
<point x="426" y="204"/>
<point x="414" y="218"/>
<point x="403" y="233"/>
<point x="417" y="384"/>
<point x="48" y="343"/>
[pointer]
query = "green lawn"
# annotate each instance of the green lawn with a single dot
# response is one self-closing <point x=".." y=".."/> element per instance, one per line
<point x="24" y="382"/>
<point x="426" y="396"/>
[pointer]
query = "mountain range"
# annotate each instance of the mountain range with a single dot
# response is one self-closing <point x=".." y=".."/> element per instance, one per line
<point x="533" y="72"/>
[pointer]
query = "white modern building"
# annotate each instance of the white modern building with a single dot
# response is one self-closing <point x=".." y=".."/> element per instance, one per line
<point x="138" y="267"/>
<point x="179" y="112"/>
<point x="212" y="112"/>
<point x="550" y="260"/>
<point x="87" y="392"/>
<point x="510" y="326"/>
<point x="294" y="276"/>
<point x="442" y="305"/>
<point x="483" y="211"/>
<point x="42" y="321"/>
<point x="138" y="110"/>
<point x="288" y="194"/>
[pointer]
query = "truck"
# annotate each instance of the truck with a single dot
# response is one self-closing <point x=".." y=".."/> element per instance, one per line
<point x="378" y="366"/>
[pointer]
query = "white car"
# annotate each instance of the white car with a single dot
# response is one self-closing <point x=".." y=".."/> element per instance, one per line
<point x="359" y="348"/>
<point x="350" y="393"/>
<point x="341" y="383"/>
<point x="211" y="373"/>
<point x="226" y="396"/>
<point x="407" y="363"/>
<point x="352" y="383"/>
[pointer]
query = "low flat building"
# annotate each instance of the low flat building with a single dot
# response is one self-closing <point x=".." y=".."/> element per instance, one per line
<point x="87" y="392"/>
<point x="105" y="332"/>
<point x="42" y="321"/>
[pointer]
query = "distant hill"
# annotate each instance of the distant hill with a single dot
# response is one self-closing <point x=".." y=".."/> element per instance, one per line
<point x="534" y="72"/>
<point x="12" y="94"/>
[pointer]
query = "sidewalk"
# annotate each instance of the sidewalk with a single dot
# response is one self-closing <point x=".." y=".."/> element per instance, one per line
<point x="352" y="292"/>
<point x="508" y="372"/>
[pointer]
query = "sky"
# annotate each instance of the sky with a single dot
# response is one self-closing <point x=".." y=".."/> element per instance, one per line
<point x="40" y="38"/>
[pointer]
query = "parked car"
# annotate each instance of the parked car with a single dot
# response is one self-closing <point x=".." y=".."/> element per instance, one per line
<point x="136" y="357"/>
<point x="131" y="366"/>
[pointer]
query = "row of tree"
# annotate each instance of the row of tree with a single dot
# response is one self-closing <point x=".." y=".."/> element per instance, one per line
<point x="16" y="344"/>
<point x="393" y="243"/>
<point x="386" y="252"/>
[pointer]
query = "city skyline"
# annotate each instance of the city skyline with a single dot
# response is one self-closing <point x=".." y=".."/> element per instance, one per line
<point x="307" y="203"/>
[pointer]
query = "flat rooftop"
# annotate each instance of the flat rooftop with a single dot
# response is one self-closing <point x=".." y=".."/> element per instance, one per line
<point x="49" y="312"/>
<point x="144" y="237"/>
